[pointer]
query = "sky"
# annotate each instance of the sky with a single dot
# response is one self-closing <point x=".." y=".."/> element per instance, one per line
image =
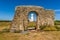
<point x="32" y="16"/>
<point x="7" y="7"/>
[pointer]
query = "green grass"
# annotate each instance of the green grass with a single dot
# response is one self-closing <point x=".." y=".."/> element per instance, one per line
<point x="57" y="22"/>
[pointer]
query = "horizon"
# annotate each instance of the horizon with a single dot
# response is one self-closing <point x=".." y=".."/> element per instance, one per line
<point x="7" y="7"/>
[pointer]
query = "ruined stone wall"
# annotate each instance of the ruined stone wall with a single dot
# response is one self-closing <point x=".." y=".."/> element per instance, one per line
<point x="20" y="21"/>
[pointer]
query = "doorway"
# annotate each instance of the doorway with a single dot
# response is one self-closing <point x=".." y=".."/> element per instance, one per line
<point x="32" y="19"/>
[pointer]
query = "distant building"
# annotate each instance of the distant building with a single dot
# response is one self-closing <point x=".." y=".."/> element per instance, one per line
<point x="32" y="18"/>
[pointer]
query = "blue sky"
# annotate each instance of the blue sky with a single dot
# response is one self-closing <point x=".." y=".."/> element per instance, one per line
<point x="34" y="16"/>
<point x="7" y="7"/>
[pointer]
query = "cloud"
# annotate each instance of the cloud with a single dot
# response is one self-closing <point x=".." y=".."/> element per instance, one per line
<point x="58" y="10"/>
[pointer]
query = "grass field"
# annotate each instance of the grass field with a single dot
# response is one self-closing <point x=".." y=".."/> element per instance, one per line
<point x="4" y="24"/>
<point x="41" y="35"/>
<point x="45" y="35"/>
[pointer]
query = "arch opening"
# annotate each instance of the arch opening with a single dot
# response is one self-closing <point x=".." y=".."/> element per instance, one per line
<point x="32" y="19"/>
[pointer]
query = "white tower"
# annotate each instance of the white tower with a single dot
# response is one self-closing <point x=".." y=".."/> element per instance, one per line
<point x="32" y="18"/>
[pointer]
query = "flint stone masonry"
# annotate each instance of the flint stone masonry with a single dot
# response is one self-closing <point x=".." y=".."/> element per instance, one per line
<point x="20" y="20"/>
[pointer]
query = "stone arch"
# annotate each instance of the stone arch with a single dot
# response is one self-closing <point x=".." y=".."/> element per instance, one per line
<point x="36" y="17"/>
<point x="20" y="20"/>
<point x="37" y="20"/>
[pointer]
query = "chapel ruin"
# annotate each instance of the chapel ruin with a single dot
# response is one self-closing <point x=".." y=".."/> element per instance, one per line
<point x="20" y="21"/>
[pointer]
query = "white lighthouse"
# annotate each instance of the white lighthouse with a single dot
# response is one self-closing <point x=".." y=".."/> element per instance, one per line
<point x="32" y="18"/>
